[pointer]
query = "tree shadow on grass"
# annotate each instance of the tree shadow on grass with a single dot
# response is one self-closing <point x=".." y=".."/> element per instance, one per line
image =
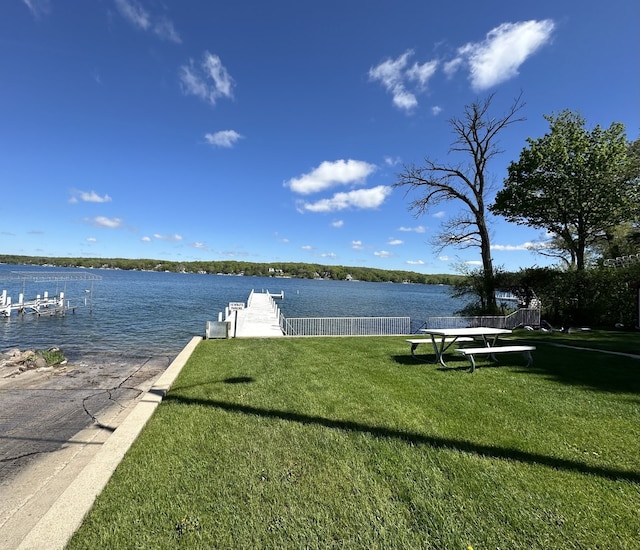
<point x="418" y="360"/>
<point x="238" y="380"/>
<point x="488" y="451"/>
<point x="587" y="368"/>
<point x="454" y="364"/>
<point x="591" y="369"/>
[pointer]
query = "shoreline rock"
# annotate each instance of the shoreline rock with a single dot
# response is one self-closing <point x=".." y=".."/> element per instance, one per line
<point x="22" y="361"/>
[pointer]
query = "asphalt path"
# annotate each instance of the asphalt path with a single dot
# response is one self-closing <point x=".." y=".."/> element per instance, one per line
<point x="52" y="421"/>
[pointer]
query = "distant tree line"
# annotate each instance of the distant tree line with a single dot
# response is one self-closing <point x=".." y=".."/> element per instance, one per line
<point x="597" y="297"/>
<point x="230" y="267"/>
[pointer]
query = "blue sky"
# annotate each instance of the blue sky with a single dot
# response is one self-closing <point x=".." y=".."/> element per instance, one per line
<point x="273" y="131"/>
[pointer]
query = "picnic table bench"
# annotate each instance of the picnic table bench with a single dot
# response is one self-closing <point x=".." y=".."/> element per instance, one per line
<point x="493" y="350"/>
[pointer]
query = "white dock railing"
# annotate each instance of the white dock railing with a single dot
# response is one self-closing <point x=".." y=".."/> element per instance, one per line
<point x="523" y="316"/>
<point x="345" y="326"/>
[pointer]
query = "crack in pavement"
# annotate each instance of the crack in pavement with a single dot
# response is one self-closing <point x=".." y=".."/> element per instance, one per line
<point x="109" y="391"/>
<point x="52" y="424"/>
<point x="26" y="455"/>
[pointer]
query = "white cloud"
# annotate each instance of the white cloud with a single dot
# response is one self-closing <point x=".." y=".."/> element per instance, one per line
<point x="473" y="262"/>
<point x="164" y="29"/>
<point x="436" y="110"/>
<point x="499" y="56"/>
<point x="90" y="196"/>
<point x="328" y="255"/>
<point x="284" y="240"/>
<point x="38" y="8"/>
<point x="329" y="174"/>
<point x="417" y="229"/>
<point x="133" y="12"/>
<point x="395" y="242"/>
<point x="443" y="258"/>
<point x="383" y="254"/>
<point x="146" y="239"/>
<point x="404" y="100"/>
<point x="440" y="214"/>
<point x="224" y="138"/>
<point x="390" y="161"/>
<point x="357" y="245"/>
<point x="394" y="75"/>
<point x="209" y="81"/>
<point x="103" y="221"/>
<point x="337" y="224"/>
<point x="359" y="198"/>
<point x="451" y="67"/>
<point x="92" y="240"/>
<point x="307" y="247"/>
<point x="200" y="246"/>
<point x="422" y="73"/>
<point x="173" y="238"/>
<point x="415" y="262"/>
<point x="140" y="18"/>
<point x="513" y="247"/>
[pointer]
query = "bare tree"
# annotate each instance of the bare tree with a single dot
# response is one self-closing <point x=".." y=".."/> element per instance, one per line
<point x="476" y="138"/>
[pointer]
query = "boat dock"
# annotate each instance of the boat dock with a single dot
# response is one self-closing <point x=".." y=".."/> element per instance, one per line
<point x="58" y="304"/>
<point x="40" y="305"/>
<point x="259" y="318"/>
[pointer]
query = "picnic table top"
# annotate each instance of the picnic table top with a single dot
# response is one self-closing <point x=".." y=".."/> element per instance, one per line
<point x="469" y="331"/>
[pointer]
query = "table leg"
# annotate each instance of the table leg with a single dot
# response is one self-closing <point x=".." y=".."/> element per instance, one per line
<point x="439" y="351"/>
<point x="491" y="345"/>
<point x="413" y="350"/>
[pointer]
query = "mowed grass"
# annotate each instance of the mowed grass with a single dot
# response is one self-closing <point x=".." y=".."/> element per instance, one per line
<point x="351" y="443"/>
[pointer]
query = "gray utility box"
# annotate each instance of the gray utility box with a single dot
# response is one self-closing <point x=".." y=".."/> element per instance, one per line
<point x="217" y="329"/>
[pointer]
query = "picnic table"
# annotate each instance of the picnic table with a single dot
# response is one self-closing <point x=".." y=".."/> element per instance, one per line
<point x="443" y="338"/>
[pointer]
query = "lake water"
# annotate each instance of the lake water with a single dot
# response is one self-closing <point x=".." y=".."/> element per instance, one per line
<point x="136" y="313"/>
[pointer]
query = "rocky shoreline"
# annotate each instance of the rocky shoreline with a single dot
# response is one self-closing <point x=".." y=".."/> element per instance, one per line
<point x="15" y="362"/>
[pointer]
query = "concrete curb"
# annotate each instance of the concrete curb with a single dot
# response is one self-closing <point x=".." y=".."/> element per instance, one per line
<point x="57" y="526"/>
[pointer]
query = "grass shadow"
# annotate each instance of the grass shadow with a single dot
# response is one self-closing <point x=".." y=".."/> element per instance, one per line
<point x="591" y="369"/>
<point x="409" y="360"/>
<point x="456" y="365"/>
<point x="414" y="438"/>
<point x="238" y="380"/>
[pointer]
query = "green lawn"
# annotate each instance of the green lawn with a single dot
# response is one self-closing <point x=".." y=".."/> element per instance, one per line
<point x="350" y="443"/>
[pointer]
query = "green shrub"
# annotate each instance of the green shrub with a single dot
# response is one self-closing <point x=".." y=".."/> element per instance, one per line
<point x="53" y="356"/>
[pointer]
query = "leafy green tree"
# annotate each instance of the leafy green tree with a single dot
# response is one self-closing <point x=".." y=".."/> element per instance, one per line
<point x="572" y="182"/>
<point x="600" y="297"/>
<point x="624" y="239"/>
<point x="466" y="182"/>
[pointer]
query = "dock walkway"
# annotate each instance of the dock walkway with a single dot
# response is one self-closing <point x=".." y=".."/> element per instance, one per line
<point x="259" y="319"/>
